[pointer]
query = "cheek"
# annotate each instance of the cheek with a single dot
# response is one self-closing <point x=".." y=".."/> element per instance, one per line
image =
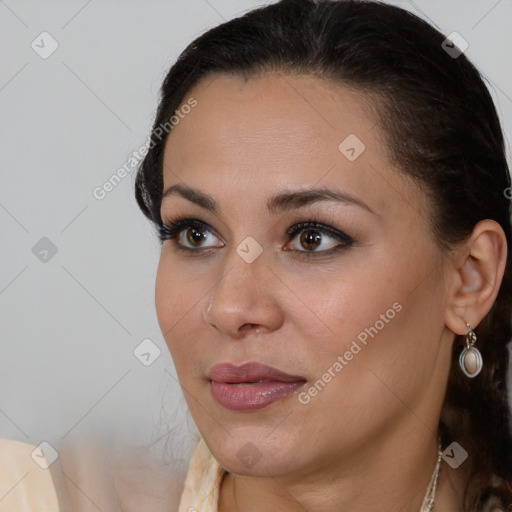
<point x="384" y="328"/>
<point x="176" y="302"/>
<point x="165" y="296"/>
<point x="347" y="304"/>
<point x="364" y="314"/>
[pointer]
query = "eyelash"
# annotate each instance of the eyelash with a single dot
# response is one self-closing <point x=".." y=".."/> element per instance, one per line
<point x="171" y="229"/>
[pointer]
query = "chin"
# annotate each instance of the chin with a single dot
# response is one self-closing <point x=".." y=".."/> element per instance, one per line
<point x="264" y="467"/>
<point x="254" y="454"/>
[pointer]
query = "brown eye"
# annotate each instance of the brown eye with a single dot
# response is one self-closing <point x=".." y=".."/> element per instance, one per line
<point x="313" y="238"/>
<point x="190" y="234"/>
<point x="316" y="241"/>
<point x="195" y="236"/>
<point x="310" y="239"/>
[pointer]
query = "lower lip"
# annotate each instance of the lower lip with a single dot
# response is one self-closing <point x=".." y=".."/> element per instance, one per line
<point x="254" y="396"/>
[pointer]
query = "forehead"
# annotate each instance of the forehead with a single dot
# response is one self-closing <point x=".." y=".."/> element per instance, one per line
<point x="283" y="112"/>
<point x="277" y="131"/>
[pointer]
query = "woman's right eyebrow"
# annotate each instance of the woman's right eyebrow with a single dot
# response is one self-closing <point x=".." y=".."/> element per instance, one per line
<point x="280" y="203"/>
<point x="194" y="195"/>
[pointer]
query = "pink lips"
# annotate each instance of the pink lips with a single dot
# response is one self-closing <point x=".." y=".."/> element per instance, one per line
<point x="268" y="385"/>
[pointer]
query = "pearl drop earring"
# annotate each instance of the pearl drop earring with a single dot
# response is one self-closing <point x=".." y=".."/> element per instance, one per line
<point x="470" y="359"/>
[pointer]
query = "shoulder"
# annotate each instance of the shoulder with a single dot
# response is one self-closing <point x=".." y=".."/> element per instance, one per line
<point x="86" y="475"/>
<point x="26" y="482"/>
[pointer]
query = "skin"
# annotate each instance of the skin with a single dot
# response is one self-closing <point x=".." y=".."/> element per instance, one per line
<point x="368" y="440"/>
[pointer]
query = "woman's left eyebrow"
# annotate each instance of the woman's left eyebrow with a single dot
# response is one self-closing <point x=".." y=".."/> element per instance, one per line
<point x="280" y="203"/>
<point x="289" y="200"/>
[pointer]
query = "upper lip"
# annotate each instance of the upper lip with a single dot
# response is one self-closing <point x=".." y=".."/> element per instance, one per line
<point x="249" y="372"/>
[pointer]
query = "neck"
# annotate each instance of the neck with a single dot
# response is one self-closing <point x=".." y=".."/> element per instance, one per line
<point x="394" y="477"/>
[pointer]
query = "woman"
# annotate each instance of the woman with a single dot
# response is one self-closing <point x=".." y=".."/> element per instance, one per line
<point x="328" y="180"/>
<point x="329" y="183"/>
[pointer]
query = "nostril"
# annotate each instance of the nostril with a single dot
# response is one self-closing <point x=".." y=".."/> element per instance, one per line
<point x="248" y="326"/>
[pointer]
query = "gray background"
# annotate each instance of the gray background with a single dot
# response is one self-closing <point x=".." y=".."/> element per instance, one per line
<point x="69" y="325"/>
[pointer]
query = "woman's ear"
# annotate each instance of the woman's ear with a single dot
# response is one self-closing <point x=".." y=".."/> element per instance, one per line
<point x="477" y="272"/>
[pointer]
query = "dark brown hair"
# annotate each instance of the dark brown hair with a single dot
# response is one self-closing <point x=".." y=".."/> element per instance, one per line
<point x="441" y="129"/>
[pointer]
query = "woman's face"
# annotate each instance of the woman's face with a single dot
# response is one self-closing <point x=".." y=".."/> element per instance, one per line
<point x="353" y="309"/>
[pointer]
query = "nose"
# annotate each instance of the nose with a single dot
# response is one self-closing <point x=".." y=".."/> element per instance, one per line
<point x="245" y="298"/>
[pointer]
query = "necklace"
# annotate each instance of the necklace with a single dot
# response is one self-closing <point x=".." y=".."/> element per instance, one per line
<point x="428" y="501"/>
<point x="427" y="504"/>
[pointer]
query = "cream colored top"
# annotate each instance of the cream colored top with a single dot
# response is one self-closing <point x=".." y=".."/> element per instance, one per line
<point x="86" y="475"/>
<point x="26" y="484"/>
<point x="202" y="483"/>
